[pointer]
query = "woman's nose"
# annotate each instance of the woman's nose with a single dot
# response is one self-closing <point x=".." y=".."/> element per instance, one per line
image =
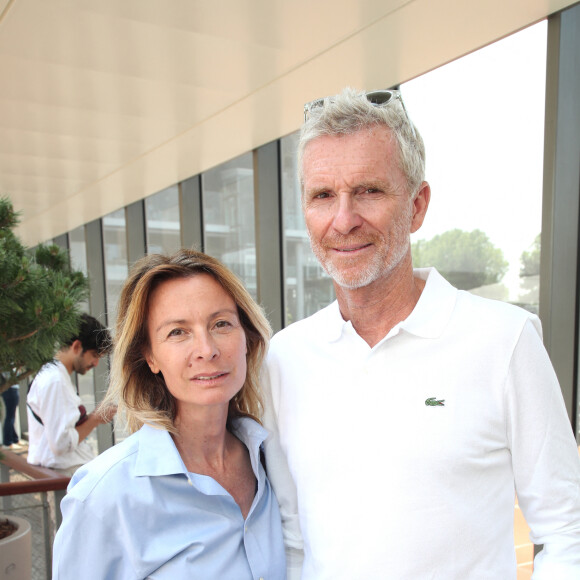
<point x="204" y="347"/>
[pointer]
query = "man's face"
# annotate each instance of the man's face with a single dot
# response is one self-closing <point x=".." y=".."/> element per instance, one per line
<point x="357" y="206"/>
<point x="85" y="361"/>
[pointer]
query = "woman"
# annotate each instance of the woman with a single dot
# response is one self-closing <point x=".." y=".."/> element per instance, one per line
<point x="185" y="496"/>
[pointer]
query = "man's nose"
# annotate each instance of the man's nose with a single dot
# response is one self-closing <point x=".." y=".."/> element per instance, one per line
<point x="346" y="217"/>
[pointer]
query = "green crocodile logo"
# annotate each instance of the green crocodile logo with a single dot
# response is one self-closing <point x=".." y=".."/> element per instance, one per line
<point x="434" y="402"/>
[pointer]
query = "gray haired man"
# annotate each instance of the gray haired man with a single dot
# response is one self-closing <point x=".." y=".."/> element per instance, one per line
<point x="407" y="414"/>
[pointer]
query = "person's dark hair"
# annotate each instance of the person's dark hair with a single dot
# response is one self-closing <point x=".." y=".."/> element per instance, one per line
<point x="92" y="335"/>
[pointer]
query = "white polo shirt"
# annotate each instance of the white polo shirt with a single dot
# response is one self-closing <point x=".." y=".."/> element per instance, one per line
<point x="407" y="456"/>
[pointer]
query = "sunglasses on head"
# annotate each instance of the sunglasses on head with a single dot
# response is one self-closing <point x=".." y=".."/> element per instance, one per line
<point x="375" y="98"/>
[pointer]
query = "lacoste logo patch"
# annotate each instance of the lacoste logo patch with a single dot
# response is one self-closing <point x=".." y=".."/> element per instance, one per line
<point x="434" y="402"/>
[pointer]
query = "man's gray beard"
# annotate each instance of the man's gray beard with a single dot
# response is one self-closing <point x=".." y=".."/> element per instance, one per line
<point x="371" y="272"/>
<point x="380" y="265"/>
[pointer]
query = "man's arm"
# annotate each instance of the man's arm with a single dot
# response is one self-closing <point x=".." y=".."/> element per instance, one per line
<point x="545" y="459"/>
<point x="282" y="483"/>
<point x="99" y="416"/>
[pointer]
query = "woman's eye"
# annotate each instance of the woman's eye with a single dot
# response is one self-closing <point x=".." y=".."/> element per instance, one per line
<point x="176" y="332"/>
<point x="223" y="324"/>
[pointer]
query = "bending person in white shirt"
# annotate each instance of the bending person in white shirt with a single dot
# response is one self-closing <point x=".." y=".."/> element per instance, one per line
<point x="57" y="422"/>
<point x="407" y="414"/>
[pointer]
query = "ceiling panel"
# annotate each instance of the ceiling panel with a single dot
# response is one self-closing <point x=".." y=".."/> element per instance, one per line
<point x="103" y="103"/>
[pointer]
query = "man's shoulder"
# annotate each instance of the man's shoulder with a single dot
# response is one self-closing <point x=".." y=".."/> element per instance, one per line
<point x="50" y="374"/>
<point x="49" y="371"/>
<point x="303" y="329"/>
<point x="468" y="307"/>
<point x="481" y="306"/>
<point x="494" y="319"/>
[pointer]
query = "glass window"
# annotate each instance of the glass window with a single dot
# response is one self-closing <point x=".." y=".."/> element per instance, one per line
<point x="116" y="265"/>
<point x="482" y="119"/>
<point x="162" y="221"/>
<point x="85" y="383"/>
<point x="78" y="255"/>
<point x="228" y="215"/>
<point x="307" y="287"/>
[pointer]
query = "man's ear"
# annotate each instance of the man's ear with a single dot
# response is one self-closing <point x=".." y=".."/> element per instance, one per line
<point x="420" y="206"/>
<point x="76" y="347"/>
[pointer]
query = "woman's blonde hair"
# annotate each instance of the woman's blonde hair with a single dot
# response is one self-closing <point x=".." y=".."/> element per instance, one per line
<point x="143" y="397"/>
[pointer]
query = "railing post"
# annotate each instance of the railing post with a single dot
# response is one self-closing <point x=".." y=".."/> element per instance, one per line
<point x="58" y="497"/>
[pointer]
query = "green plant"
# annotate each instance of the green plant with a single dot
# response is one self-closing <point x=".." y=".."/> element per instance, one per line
<point x="40" y="297"/>
<point x="467" y="259"/>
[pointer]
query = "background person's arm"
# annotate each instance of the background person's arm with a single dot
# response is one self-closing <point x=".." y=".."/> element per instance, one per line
<point x="98" y="417"/>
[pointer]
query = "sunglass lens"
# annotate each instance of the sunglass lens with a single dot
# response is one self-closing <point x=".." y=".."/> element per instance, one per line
<point x="379" y="97"/>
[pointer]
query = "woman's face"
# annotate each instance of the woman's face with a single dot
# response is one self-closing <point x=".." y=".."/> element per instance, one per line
<point x="196" y="341"/>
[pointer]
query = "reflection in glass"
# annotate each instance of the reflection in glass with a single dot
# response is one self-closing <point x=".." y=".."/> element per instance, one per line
<point x="307" y="287"/>
<point x="162" y="221"/>
<point x="116" y="266"/>
<point x="228" y="212"/>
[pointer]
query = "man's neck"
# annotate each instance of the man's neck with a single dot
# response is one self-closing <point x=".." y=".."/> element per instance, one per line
<point x="66" y="358"/>
<point x="375" y="309"/>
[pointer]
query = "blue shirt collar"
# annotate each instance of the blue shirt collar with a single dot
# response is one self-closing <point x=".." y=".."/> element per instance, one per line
<point x="157" y="454"/>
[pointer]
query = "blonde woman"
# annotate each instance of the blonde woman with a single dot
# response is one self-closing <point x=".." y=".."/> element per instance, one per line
<point x="186" y="495"/>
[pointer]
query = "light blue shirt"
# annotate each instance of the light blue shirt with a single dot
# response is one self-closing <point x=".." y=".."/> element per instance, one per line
<point x="136" y="512"/>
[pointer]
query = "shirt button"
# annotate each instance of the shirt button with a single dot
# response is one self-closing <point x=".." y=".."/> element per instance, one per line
<point x="245" y="530"/>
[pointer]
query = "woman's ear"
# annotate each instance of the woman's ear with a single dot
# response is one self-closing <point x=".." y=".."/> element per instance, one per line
<point x="151" y="363"/>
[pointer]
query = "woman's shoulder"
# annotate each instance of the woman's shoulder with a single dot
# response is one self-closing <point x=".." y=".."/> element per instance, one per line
<point x="107" y="471"/>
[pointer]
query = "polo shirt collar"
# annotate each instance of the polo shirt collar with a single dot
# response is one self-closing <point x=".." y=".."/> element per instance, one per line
<point x="434" y="308"/>
<point x="428" y="319"/>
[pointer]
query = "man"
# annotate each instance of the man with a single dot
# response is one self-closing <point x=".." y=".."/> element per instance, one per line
<point x="406" y="414"/>
<point x="56" y="424"/>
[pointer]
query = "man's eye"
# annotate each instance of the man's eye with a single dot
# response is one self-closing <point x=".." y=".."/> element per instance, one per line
<point x="321" y="195"/>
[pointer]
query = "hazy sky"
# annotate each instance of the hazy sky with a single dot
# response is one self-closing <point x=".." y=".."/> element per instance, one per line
<point x="482" y="120"/>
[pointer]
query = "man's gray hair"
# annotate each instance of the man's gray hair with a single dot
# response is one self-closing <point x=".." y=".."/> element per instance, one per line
<point x="350" y="112"/>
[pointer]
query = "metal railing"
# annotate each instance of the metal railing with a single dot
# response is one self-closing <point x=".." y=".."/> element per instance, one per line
<point x="33" y="479"/>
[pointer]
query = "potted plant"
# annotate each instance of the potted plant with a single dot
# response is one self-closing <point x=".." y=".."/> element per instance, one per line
<point x="15" y="549"/>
